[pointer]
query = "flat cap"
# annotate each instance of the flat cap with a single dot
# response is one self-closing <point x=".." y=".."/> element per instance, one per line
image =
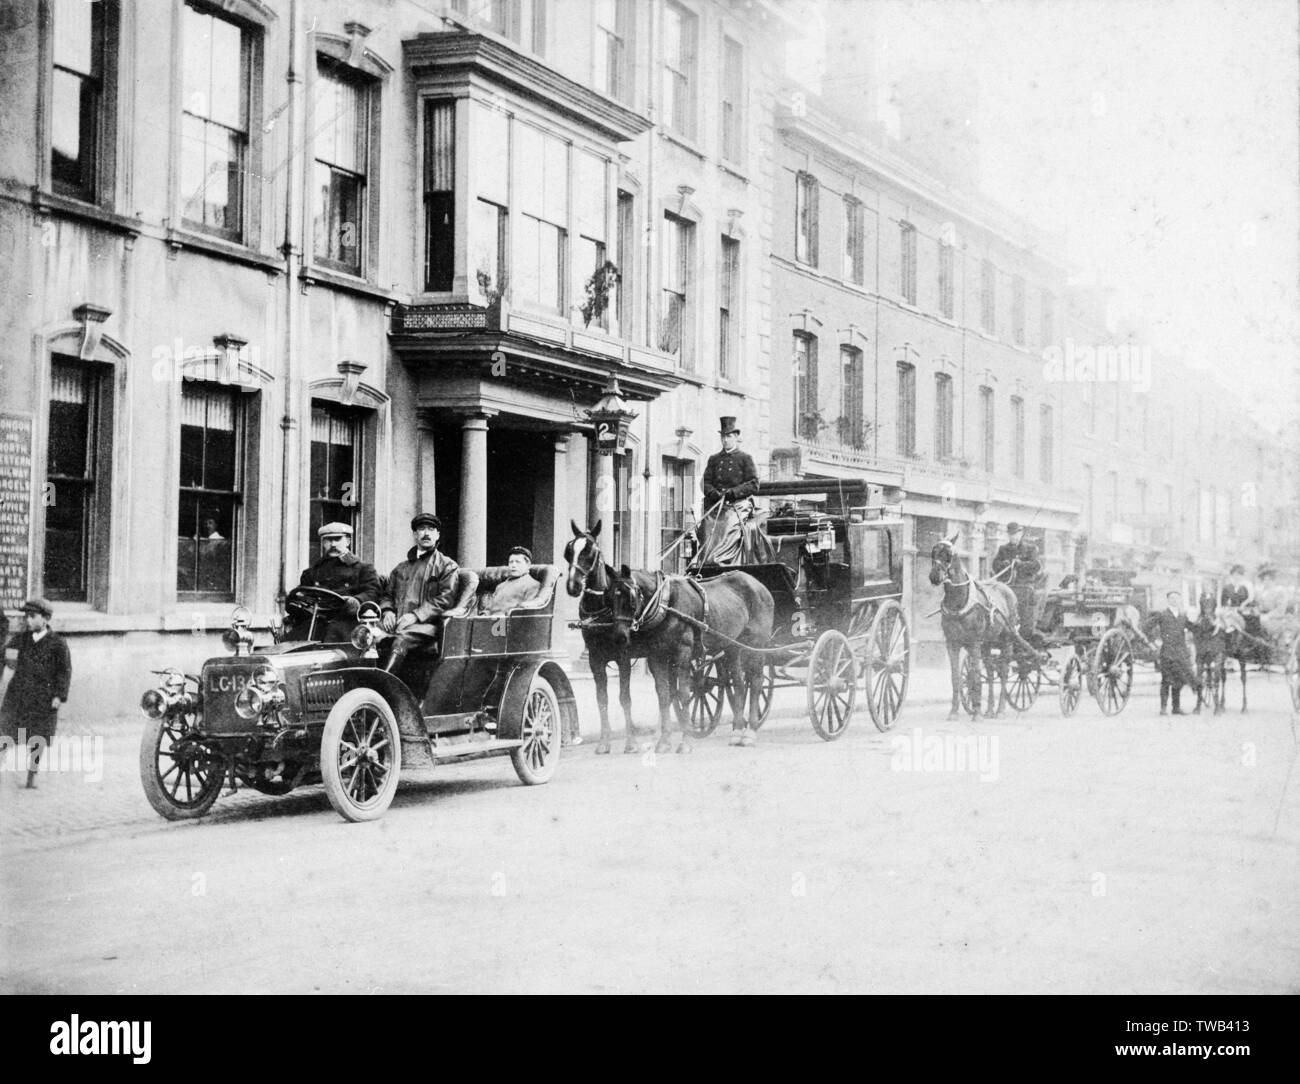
<point x="333" y="529"/>
<point x="38" y="605"/>
<point x="426" y="519"/>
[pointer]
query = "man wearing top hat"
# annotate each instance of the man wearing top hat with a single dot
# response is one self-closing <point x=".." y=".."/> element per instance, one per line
<point x="1017" y="565"/>
<point x="730" y="474"/>
<point x="39" y="686"/>
<point x="343" y="572"/>
<point x="420" y="590"/>
<point x="730" y="478"/>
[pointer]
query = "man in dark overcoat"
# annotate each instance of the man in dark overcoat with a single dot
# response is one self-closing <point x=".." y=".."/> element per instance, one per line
<point x="39" y="686"/>
<point x="1170" y="626"/>
<point x="730" y="477"/>
<point x="343" y="572"/>
<point x="1017" y="565"/>
<point x="420" y="590"/>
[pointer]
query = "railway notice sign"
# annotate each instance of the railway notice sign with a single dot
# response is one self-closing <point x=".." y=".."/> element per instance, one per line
<point x="15" y="507"/>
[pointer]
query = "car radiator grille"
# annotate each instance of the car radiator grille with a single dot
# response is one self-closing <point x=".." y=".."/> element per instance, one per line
<point x="320" y="693"/>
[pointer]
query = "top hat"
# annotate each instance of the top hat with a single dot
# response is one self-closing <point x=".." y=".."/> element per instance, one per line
<point x="426" y="519"/>
<point x="727" y="424"/>
<point x="334" y="529"/>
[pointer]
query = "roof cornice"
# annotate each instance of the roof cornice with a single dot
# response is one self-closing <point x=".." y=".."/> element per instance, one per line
<point x="447" y="60"/>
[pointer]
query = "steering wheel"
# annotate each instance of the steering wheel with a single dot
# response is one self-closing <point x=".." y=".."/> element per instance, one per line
<point x="314" y="599"/>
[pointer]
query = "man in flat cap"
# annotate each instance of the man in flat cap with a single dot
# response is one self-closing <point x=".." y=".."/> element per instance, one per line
<point x="517" y="588"/>
<point x="39" y="686"/>
<point x="339" y="570"/>
<point x="420" y="590"/>
<point x="731" y="478"/>
<point x="1017" y="565"/>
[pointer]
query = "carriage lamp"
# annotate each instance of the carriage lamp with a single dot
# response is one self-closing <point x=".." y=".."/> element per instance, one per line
<point x="366" y="635"/>
<point x="261" y="695"/>
<point x="826" y="538"/>
<point x="169" y="697"/>
<point x="611" y="419"/>
<point x="688" y="546"/>
<point x="237" y="639"/>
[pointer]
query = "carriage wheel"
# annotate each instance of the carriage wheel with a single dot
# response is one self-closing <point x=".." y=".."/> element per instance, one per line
<point x="887" y="665"/>
<point x="970" y="678"/>
<point x="1022" y="690"/>
<point x="1112" y="663"/>
<point x="1293" y="673"/>
<point x="705" y="694"/>
<point x="832" y="684"/>
<point x="1071" y="685"/>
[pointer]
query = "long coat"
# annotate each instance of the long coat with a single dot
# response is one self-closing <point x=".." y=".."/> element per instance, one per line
<point x="424" y="586"/>
<point x="44" y="671"/>
<point x="346" y="575"/>
<point x="730" y="475"/>
<point x="1175" y="660"/>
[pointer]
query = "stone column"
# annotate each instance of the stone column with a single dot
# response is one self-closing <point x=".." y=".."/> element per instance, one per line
<point x="472" y="522"/>
<point x="560" y="510"/>
<point x="426" y="498"/>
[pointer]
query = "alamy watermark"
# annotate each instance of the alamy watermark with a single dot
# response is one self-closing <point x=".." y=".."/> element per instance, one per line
<point x="1079" y="363"/>
<point x="83" y="753"/>
<point x="915" y="752"/>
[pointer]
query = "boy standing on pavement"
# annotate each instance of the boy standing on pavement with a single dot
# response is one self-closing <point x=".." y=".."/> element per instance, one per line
<point x="39" y="687"/>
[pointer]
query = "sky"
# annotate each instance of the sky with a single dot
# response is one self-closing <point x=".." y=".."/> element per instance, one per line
<point x="1159" y="136"/>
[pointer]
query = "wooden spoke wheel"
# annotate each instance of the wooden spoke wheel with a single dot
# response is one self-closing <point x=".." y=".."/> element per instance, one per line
<point x="1112" y="670"/>
<point x="1071" y="685"/>
<point x="535" y="760"/>
<point x="705" y="694"/>
<point x="971" y="682"/>
<point x="832" y="684"/>
<point x="887" y="665"/>
<point x="360" y="755"/>
<point x="181" y="775"/>
<point x="1024" y="681"/>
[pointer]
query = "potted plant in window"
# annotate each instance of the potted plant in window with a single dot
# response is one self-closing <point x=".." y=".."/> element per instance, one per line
<point x="811" y="423"/>
<point x="597" y="292"/>
<point x="492" y="294"/>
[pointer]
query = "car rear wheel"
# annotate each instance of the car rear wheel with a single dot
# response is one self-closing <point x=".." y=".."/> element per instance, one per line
<point x="536" y="758"/>
<point x="360" y="755"/>
<point x="181" y="776"/>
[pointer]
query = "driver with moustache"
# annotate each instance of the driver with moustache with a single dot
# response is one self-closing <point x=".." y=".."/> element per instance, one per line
<point x="343" y="572"/>
<point x="420" y="590"/>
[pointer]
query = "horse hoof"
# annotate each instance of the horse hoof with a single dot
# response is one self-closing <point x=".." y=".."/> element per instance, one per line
<point x="748" y="737"/>
<point x="735" y="738"/>
<point x="663" y="746"/>
<point x="953" y="716"/>
<point x="631" y="747"/>
<point x="602" y="747"/>
<point x="685" y="747"/>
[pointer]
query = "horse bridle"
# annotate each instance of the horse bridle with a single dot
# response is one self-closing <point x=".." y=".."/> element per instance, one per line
<point x="947" y="566"/>
<point x="585" y="573"/>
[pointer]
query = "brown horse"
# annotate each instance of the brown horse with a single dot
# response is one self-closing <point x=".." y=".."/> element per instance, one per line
<point x="591" y="579"/>
<point x="673" y="616"/>
<point x="978" y="617"/>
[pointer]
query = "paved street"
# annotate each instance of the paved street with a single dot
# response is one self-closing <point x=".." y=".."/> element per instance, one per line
<point x="1128" y="854"/>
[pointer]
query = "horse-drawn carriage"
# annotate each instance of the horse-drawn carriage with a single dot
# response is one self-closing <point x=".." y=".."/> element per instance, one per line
<point x="822" y="614"/>
<point x="836" y="582"/>
<point x="284" y="715"/>
<point x="1099" y="621"/>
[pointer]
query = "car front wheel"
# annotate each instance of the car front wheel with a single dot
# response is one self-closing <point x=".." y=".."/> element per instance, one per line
<point x="360" y="755"/>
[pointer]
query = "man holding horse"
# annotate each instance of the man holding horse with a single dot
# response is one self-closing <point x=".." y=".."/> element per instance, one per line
<point x="1175" y="661"/>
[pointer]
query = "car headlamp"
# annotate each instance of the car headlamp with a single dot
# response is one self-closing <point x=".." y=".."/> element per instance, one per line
<point x="257" y="698"/>
<point x="363" y="638"/>
<point x="154" y="703"/>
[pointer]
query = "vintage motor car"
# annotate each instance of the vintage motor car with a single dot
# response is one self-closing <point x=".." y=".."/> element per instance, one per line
<point x="290" y="714"/>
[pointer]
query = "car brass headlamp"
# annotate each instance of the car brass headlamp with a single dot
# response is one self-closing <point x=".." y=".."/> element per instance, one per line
<point x="154" y="703"/>
<point x="256" y="698"/>
<point x="363" y="638"/>
<point x="170" y="696"/>
<point x="238" y="639"/>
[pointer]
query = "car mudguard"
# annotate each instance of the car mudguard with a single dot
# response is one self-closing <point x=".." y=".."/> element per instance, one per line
<point x="511" y="711"/>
